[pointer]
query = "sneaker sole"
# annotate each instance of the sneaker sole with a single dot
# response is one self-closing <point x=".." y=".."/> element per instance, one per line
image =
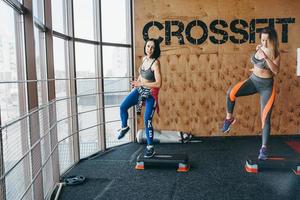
<point x="123" y="134"/>
<point x="149" y="156"/>
<point x="262" y="158"/>
<point x="229" y="126"/>
<point x="226" y="130"/>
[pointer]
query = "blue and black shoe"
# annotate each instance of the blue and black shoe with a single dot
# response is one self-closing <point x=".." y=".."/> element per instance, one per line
<point x="122" y="132"/>
<point x="149" y="151"/>
<point x="263" y="155"/>
<point x="227" y="124"/>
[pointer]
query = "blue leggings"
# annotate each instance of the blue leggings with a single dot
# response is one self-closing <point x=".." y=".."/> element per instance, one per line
<point x="131" y="100"/>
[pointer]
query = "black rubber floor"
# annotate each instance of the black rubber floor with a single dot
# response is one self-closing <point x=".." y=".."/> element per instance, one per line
<point x="217" y="172"/>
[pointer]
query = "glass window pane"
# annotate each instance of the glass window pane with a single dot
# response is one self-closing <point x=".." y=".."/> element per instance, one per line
<point x="38" y="9"/>
<point x="116" y="70"/>
<point x="65" y="155"/>
<point x="86" y="85"/>
<point x="112" y="126"/>
<point x="116" y="21"/>
<point x="13" y="102"/>
<point x="63" y="111"/>
<point x="42" y="89"/>
<point x="84" y="19"/>
<point x="48" y="177"/>
<point x="85" y="60"/>
<point x="18" y="180"/>
<point x="59" y="16"/>
<point x="12" y="99"/>
<point x="41" y="67"/>
<point x="116" y="61"/>
<point x="60" y="56"/>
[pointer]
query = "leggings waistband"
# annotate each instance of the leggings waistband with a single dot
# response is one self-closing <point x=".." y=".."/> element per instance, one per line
<point x="260" y="79"/>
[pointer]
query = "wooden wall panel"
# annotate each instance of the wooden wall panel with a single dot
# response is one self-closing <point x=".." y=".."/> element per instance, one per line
<point x="197" y="77"/>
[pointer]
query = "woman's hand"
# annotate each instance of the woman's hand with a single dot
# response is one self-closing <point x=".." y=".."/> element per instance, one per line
<point x="258" y="47"/>
<point x="136" y="83"/>
<point x="264" y="55"/>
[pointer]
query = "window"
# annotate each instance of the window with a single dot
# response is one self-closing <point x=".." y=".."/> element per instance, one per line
<point x="59" y="16"/>
<point x="63" y="112"/>
<point x="41" y="68"/>
<point x="13" y="102"/>
<point x="43" y="103"/>
<point x="87" y="98"/>
<point x="26" y="140"/>
<point x="11" y="93"/>
<point x="38" y="9"/>
<point x="116" y="69"/>
<point x="116" y="21"/>
<point x="84" y="19"/>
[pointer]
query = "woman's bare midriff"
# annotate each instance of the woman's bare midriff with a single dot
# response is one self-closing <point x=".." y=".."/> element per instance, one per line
<point x="262" y="73"/>
<point x="145" y="81"/>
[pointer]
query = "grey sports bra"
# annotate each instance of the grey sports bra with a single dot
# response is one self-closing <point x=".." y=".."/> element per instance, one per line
<point x="260" y="63"/>
<point x="148" y="74"/>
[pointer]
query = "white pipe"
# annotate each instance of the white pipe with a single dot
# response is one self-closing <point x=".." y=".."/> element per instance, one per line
<point x="58" y="190"/>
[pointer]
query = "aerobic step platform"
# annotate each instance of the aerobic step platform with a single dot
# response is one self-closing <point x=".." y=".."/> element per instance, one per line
<point x="164" y="160"/>
<point x="254" y="165"/>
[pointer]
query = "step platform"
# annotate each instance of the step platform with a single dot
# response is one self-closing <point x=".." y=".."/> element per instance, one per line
<point x="254" y="165"/>
<point x="181" y="161"/>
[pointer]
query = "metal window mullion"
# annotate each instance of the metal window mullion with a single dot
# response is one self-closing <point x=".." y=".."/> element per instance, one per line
<point x="61" y="35"/>
<point x="39" y="24"/>
<point x="86" y="41"/>
<point x="132" y="72"/>
<point x="2" y="170"/>
<point x="75" y="151"/>
<point x="33" y="100"/>
<point x="17" y="6"/>
<point x="69" y="95"/>
<point x="116" y="44"/>
<point x="100" y="83"/>
<point x="63" y="79"/>
<point x="51" y="93"/>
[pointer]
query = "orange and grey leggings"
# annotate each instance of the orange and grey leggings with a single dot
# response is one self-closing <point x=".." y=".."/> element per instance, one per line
<point x="265" y="88"/>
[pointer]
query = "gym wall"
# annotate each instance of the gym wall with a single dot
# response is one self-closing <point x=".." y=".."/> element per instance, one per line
<point x="199" y="65"/>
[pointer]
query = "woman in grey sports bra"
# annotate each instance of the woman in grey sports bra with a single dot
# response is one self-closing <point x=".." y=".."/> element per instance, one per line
<point x="259" y="63"/>
<point x="146" y="89"/>
<point x="266" y="62"/>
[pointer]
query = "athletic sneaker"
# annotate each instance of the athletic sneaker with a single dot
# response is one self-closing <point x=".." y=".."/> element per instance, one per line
<point x="227" y="124"/>
<point x="122" y="132"/>
<point x="149" y="151"/>
<point x="263" y="154"/>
